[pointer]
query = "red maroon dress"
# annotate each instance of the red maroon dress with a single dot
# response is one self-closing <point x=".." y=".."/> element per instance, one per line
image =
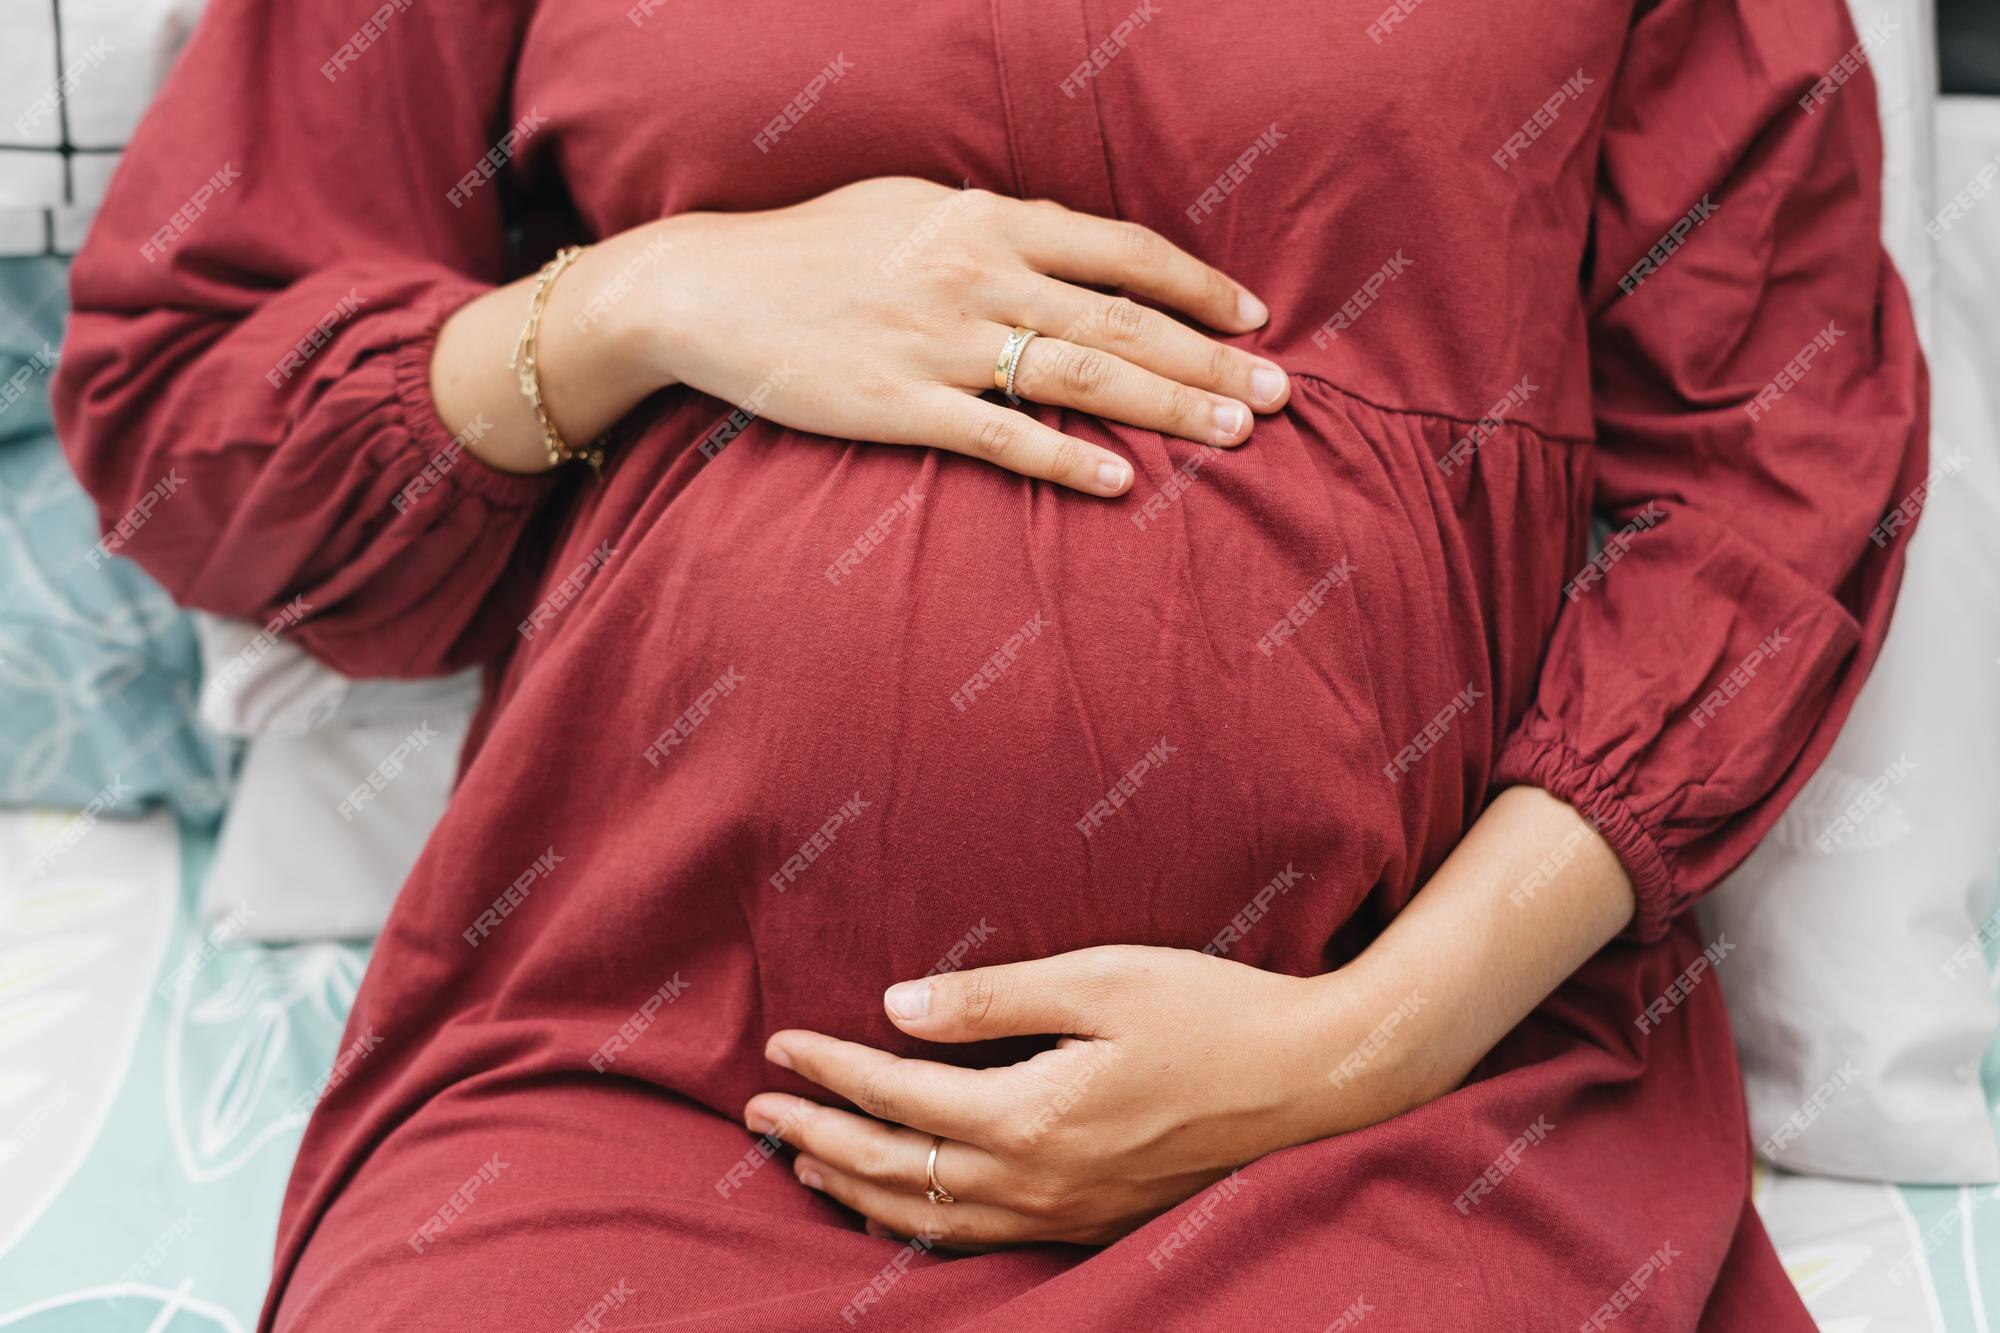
<point x="1449" y="210"/>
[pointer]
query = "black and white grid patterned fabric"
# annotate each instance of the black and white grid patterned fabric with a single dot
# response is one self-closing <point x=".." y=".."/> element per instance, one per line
<point x="75" y="76"/>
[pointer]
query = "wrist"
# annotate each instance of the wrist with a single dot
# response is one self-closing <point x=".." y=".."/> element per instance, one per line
<point x="1369" y="1022"/>
<point x="1467" y="959"/>
<point x="594" y="353"/>
<point x="1338" y="1047"/>
<point x="652" y="325"/>
<point x="614" y="308"/>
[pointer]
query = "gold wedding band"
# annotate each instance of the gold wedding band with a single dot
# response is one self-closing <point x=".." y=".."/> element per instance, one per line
<point x="935" y="1192"/>
<point x="1010" y="358"/>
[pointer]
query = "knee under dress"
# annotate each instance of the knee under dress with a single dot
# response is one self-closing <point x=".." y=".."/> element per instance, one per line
<point x="775" y="722"/>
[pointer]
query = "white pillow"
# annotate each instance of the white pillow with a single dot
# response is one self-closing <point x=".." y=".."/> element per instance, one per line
<point x="1861" y="1005"/>
<point x="297" y="854"/>
<point x="299" y="858"/>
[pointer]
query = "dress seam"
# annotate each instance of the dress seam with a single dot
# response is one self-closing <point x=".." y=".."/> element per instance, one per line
<point x="1097" y="115"/>
<point x="1554" y="437"/>
<point x="1014" y="162"/>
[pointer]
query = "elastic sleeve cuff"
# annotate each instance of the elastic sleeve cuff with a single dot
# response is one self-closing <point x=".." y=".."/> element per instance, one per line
<point x="1563" y="773"/>
<point x="428" y="436"/>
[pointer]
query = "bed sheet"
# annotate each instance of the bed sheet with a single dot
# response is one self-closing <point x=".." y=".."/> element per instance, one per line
<point x="154" y="1080"/>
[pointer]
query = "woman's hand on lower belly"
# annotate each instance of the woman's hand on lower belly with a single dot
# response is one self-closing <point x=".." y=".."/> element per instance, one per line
<point x="1176" y="1067"/>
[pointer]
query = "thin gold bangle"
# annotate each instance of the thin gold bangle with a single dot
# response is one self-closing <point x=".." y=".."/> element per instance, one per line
<point x="527" y="369"/>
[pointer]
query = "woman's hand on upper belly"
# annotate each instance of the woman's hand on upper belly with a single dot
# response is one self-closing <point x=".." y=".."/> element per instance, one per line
<point x="1177" y="1067"/>
<point x="878" y="313"/>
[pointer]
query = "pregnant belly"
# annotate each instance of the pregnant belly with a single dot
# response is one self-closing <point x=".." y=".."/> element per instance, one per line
<point x="895" y="710"/>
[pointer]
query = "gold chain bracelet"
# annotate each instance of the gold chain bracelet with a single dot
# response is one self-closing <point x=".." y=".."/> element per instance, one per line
<point x="528" y="371"/>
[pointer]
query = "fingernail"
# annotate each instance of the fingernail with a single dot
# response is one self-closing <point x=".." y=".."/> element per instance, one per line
<point x="909" y="999"/>
<point x="810" y="1178"/>
<point x="779" y="1056"/>
<point x="1230" y="419"/>
<point x="759" y="1125"/>
<point x="1267" y="383"/>
<point x="1251" y="310"/>
<point x="1111" y="476"/>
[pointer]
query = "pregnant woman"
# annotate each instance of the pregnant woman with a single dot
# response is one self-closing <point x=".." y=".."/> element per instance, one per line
<point x="1199" y="842"/>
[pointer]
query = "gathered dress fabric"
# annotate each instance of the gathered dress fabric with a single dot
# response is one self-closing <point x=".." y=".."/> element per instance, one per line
<point x="729" y="775"/>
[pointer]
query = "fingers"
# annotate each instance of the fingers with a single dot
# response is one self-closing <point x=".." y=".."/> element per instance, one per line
<point x="949" y="1225"/>
<point x="891" y="1156"/>
<point x="1149" y="339"/>
<point x="942" y="1099"/>
<point x="1106" y="253"/>
<point x="1066" y="994"/>
<point x="1019" y="443"/>
<point x="1094" y="381"/>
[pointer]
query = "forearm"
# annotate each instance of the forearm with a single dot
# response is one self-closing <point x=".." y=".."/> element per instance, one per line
<point x="1527" y="896"/>
<point x="595" y="364"/>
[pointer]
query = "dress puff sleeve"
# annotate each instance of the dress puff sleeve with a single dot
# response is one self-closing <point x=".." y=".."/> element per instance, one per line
<point x="244" y="387"/>
<point x="1761" y="408"/>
